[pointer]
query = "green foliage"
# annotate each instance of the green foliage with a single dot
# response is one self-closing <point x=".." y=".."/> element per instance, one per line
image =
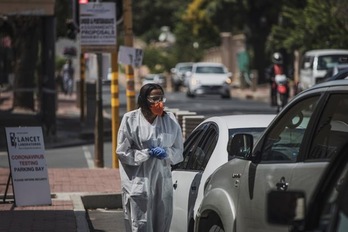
<point x="59" y="62"/>
<point x="316" y="25"/>
<point x="158" y="60"/>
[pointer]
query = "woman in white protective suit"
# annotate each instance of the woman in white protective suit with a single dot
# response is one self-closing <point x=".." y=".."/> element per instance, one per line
<point x="149" y="142"/>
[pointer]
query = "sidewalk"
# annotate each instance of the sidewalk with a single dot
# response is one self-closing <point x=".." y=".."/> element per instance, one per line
<point x="68" y="186"/>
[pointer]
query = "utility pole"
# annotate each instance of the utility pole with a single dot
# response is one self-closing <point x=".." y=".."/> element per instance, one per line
<point x="128" y="41"/>
<point x="82" y="87"/>
<point x="115" y="105"/>
<point x="99" y="120"/>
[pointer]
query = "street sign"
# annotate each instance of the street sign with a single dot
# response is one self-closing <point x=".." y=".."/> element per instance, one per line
<point x="130" y="56"/>
<point x="98" y="27"/>
<point x="26" y="154"/>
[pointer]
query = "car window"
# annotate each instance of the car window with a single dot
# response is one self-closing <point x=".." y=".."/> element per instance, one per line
<point x="255" y="132"/>
<point x="210" y="69"/>
<point x="329" y="61"/>
<point x="284" y="140"/>
<point x="307" y="60"/>
<point x="200" y="156"/>
<point x="332" y="131"/>
<point x="190" y="145"/>
<point x="185" y="68"/>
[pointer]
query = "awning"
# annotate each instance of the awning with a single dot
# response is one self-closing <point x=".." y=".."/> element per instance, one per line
<point x="27" y="7"/>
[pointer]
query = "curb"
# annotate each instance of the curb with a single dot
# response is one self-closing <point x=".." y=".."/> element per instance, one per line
<point x="82" y="203"/>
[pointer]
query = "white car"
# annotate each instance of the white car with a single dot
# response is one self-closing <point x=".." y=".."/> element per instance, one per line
<point x="205" y="150"/>
<point x="209" y="78"/>
<point x="316" y="63"/>
<point x="290" y="155"/>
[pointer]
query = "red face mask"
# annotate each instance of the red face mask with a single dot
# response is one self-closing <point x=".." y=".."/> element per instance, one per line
<point x="157" y="108"/>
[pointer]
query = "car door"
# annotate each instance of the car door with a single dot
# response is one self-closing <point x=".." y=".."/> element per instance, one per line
<point x="187" y="175"/>
<point x="330" y="135"/>
<point x="276" y="156"/>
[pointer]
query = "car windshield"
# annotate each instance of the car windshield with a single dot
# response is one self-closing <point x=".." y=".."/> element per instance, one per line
<point x="329" y="61"/>
<point x="210" y="69"/>
<point x="185" y="68"/>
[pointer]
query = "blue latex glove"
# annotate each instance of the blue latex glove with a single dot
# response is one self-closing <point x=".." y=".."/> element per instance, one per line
<point x="158" y="152"/>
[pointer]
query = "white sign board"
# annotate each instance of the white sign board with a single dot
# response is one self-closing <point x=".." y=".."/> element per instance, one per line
<point x="26" y="153"/>
<point x="98" y="27"/>
<point x="130" y="56"/>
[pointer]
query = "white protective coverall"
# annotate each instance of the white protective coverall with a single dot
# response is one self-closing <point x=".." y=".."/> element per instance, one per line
<point x="147" y="187"/>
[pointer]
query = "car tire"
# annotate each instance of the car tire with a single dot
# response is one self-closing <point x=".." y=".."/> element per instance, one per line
<point x="189" y="94"/>
<point x="176" y="87"/>
<point x="226" y="95"/>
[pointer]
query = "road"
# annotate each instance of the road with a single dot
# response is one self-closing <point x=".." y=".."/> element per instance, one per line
<point x="83" y="156"/>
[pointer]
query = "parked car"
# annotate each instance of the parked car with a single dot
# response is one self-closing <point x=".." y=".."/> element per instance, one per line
<point x="331" y="73"/>
<point x="205" y="150"/>
<point x="155" y="78"/>
<point x="316" y="63"/>
<point x="328" y="208"/>
<point x="179" y="74"/>
<point x="209" y="78"/>
<point x="291" y="154"/>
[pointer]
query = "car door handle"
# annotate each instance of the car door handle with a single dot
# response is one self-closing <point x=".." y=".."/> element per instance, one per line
<point x="175" y="185"/>
<point x="236" y="175"/>
<point x="282" y="185"/>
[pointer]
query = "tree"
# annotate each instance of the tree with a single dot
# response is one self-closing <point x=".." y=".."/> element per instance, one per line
<point x="314" y="25"/>
<point x="253" y="18"/>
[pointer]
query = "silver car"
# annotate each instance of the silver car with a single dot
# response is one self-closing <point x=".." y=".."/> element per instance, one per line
<point x="290" y="155"/>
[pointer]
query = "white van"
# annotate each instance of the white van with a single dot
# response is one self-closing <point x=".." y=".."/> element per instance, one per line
<point x="315" y="64"/>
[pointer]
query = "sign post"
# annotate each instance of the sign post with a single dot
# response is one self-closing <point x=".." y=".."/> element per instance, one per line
<point x="26" y="154"/>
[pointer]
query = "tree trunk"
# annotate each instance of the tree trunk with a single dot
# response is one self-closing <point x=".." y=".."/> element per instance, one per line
<point x="26" y="55"/>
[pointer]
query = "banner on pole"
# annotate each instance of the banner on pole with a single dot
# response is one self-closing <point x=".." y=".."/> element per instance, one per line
<point x="98" y="27"/>
<point x="26" y="154"/>
<point x="130" y="56"/>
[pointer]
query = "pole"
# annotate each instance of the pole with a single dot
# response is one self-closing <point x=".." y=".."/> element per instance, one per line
<point x="115" y="105"/>
<point x="128" y="41"/>
<point x="98" y="143"/>
<point x="82" y="87"/>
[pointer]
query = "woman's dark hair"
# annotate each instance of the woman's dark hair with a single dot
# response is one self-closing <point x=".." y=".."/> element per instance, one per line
<point x="144" y="93"/>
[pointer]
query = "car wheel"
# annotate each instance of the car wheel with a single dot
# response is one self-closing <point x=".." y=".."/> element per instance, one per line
<point x="226" y="95"/>
<point x="211" y="224"/>
<point x="176" y="88"/>
<point x="189" y="94"/>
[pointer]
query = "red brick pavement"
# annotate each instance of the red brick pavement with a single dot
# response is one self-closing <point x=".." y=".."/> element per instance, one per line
<point x="60" y="215"/>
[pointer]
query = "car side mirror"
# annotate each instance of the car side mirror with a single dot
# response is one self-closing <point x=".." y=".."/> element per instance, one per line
<point x="188" y="73"/>
<point x="229" y="74"/>
<point x="286" y="207"/>
<point x="240" y="145"/>
<point x="307" y="65"/>
<point x="173" y="70"/>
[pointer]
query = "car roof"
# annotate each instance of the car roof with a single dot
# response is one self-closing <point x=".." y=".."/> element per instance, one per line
<point x="243" y="121"/>
<point x="326" y="52"/>
<point x="343" y="82"/>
